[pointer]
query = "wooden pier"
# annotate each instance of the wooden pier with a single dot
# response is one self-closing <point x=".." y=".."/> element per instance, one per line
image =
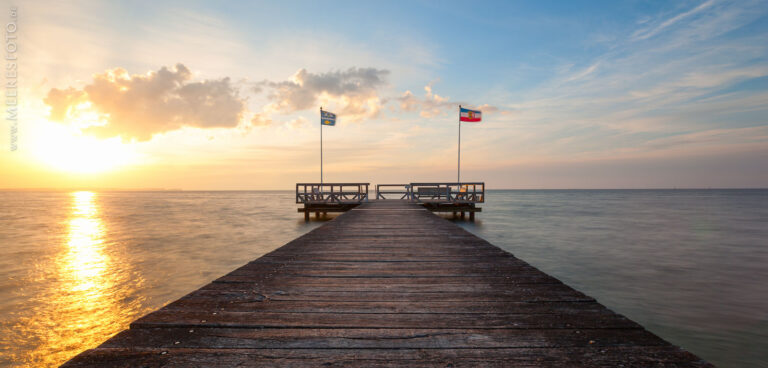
<point x="386" y="284"/>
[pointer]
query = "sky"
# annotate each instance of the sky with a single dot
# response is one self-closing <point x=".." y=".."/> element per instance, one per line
<point x="226" y="95"/>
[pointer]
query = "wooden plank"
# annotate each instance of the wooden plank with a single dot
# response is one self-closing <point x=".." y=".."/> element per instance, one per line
<point x="182" y="318"/>
<point x="631" y="356"/>
<point x="394" y="280"/>
<point x="465" y="306"/>
<point x="393" y="291"/>
<point x="325" y="338"/>
<point x="280" y="295"/>
<point x="387" y="284"/>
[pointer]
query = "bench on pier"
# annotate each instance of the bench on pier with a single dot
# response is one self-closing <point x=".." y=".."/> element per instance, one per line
<point x="448" y="192"/>
<point x="457" y="198"/>
<point x="433" y="192"/>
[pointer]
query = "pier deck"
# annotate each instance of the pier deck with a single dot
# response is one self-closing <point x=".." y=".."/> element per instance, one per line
<point x="386" y="284"/>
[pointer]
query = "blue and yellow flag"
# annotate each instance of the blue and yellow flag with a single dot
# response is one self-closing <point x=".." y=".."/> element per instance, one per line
<point x="327" y="118"/>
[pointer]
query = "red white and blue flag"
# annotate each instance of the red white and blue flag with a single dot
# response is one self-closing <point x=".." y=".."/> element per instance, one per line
<point x="474" y="116"/>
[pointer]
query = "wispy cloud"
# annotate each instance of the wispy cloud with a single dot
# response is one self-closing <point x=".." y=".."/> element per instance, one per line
<point x="432" y="104"/>
<point x="653" y="30"/>
<point x="705" y="138"/>
<point x="637" y="79"/>
<point x="583" y="73"/>
<point x="677" y="95"/>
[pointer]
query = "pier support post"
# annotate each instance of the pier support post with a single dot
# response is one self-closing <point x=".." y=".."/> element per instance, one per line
<point x="462" y="215"/>
<point x="306" y="215"/>
<point x="317" y="215"/>
<point x="472" y="216"/>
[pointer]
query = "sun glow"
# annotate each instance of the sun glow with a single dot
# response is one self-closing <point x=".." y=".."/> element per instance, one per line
<point x="69" y="151"/>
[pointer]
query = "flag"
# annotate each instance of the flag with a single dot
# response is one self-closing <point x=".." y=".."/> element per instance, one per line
<point x="474" y="116"/>
<point x="327" y="118"/>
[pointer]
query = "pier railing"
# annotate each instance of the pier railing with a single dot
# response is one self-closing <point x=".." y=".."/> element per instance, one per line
<point x="355" y="193"/>
<point x="464" y="192"/>
<point x="400" y="191"/>
<point x="331" y="193"/>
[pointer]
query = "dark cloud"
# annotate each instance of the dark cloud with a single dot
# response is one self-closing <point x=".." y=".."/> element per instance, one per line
<point x="138" y="106"/>
<point x="354" y="91"/>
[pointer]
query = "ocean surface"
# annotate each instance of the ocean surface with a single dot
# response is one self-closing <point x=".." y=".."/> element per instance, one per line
<point x="689" y="265"/>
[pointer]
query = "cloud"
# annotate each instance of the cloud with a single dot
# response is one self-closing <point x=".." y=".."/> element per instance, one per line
<point x="694" y="78"/>
<point x="432" y="104"/>
<point x="260" y="120"/>
<point x="718" y="136"/>
<point x="584" y="73"/>
<point x="646" y="33"/>
<point x="64" y="101"/>
<point x="298" y="123"/>
<point x="354" y="91"/>
<point x="138" y="106"/>
<point x="409" y="102"/>
<point x="489" y="108"/>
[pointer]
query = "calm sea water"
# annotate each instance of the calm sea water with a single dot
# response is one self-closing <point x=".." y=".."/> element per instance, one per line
<point x="690" y="265"/>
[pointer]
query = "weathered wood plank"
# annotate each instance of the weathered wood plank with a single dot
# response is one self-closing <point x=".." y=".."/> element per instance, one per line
<point x="411" y="292"/>
<point x="375" y="296"/>
<point x="183" y="318"/>
<point x="464" y="306"/>
<point x="325" y="338"/>
<point x="633" y="356"/>
<point x="425" y="281"/>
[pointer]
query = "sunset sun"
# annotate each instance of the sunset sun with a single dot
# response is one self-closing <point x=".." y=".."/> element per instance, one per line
<point x="67" y="151"/>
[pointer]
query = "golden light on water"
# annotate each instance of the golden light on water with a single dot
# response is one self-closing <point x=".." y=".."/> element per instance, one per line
<point x="86" y="262"/>
<point x="89" y="294"/>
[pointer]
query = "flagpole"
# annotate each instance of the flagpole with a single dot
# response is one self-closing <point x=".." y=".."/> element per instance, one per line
<point x="321" y="148"/>
<point x="458" y="171"/>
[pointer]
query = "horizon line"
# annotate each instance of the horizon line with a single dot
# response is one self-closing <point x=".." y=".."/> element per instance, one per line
<point x="76" y="189"/>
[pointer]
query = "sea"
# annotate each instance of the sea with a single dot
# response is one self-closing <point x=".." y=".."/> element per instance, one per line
<point x="77" y="267"/>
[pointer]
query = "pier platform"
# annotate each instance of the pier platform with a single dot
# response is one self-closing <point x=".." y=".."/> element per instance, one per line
<point x="458" y="198"/>
<point x="388" y="283"/>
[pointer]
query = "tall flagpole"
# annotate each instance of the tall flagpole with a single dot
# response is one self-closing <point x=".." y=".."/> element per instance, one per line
<point x="458" y="171"/>
<point x="321" y="148"/>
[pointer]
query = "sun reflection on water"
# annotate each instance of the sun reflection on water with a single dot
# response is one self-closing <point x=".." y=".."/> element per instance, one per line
<point x="91" y="294"/>
<point x="86" y="262"/>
